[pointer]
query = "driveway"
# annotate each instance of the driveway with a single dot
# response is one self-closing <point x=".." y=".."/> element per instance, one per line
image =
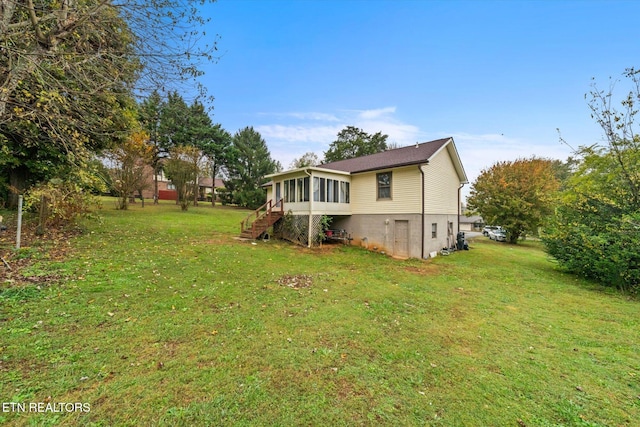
<point x="472" y="234"/>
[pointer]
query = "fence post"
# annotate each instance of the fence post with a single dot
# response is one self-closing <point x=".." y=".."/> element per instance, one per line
<point x="18" y="232"/>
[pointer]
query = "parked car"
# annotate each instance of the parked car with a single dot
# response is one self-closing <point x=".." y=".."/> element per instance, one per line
<point x="487" y="229"/>
<point x="499" y="235"/>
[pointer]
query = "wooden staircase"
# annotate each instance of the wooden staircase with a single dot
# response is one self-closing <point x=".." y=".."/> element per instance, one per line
<point x="261" y="219"/>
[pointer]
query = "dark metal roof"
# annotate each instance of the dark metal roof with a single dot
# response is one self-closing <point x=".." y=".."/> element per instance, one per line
<point x="404" y="156"/>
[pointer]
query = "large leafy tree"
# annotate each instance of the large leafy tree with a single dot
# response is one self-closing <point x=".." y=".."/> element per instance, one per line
<point x="354" y="142"/>
<point x="173" y="123"/>
<point x="183" y="168"/>
<point x="67" y="72"/>
<point x="596" y="230"/>
<point x="518" y="195"/>
<point x="307" y="159"/>
<point x="129" y="167"/>
<point x="248" y="162"/>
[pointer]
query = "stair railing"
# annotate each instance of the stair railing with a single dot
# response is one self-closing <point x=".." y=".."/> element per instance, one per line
<point x="248" y="224"/>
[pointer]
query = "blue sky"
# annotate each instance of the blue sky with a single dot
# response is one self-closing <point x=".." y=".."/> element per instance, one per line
<point x="498" y="76"/>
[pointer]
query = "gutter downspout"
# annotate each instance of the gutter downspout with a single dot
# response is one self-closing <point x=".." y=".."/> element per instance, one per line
<point x="422" y="222"/>
<point x="310" y="207"/>
<point x="459" y="207"/>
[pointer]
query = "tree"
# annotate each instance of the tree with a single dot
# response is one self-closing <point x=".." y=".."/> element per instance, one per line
<point x="65" y="75"/>
<point x="307" y="159"/>
<point x="149" y="111"/>
<point x="249" y="161"/>
<point x="216" y="149"/>
<point x="596" y="229"/>
<point x="211" y="139"/>
<point x="595" y="232"/>
<point x="183" y="169"/>
<point x="515" y="194"/>
<point x="354" y="142"/>
<point x="129" y="167"/>
<point x="68" y="70"/>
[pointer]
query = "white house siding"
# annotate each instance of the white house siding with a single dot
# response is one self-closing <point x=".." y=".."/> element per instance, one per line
<point x="405" y="192"/>
<point x="270" y="195"/>
<point x="377" y="230"/>
<point x="442" y="183"/>
<point x="441" y="202"/>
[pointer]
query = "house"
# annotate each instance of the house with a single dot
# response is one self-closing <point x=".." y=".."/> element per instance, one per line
<point x="167" y="191"/>
<point x="471" y="223"/>
<point x="403" y="202"/>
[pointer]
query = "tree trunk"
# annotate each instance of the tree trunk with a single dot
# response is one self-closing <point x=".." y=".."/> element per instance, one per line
<point x="17" y="185"/>
<point x="213" y="187"/>
<point x="155" y="187"/>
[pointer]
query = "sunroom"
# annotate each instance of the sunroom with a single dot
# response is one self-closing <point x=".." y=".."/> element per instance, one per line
<point x="307" y="195"/>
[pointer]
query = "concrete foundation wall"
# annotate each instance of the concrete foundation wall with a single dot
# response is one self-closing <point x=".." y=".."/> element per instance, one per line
<point x="384" y="233"/>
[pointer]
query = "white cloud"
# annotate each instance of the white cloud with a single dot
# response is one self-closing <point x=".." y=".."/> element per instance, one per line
<point x="310" y="115"/>
<point x="481" y="151"/>
<point x="376" y="113"/>
<point x="297" y="133"/>
<point x="399" y="133"/>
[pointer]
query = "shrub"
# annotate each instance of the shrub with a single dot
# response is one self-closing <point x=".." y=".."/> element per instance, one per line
<point x="58" y="203"/>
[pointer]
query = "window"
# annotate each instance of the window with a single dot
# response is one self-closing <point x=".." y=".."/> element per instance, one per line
<point x="290" y="190"/>
<point x="305" y="193"/>
<point x="384" y="185"/>
<point x="344" y="192"/>
<point x="316" y="189"/>
<point x="434" y="230"/>
<point x="329" y="190"/>
<point x="300" y="185"/>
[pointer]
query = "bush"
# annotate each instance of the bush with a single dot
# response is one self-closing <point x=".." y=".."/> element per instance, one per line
<point x="58" y="203"/>
<point x="596" y="230"/>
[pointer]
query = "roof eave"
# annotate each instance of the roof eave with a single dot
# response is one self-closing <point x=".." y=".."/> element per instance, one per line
<point x="306" y="169"/>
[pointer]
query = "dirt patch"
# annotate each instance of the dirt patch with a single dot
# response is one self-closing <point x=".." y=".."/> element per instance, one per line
<point x="425" y="269"/>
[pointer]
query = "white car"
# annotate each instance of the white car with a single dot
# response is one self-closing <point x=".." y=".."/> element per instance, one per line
<point x="499" y="235"/>
<point x="488" y="228"/>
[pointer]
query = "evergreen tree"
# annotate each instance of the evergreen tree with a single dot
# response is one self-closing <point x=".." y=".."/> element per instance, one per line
<point x="248" y="162"/>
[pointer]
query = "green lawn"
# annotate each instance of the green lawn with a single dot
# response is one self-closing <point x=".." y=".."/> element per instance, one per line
<point x="164" y="318"/>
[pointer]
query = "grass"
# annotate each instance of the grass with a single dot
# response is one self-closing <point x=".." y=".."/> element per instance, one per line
<point x="164" y="318"/>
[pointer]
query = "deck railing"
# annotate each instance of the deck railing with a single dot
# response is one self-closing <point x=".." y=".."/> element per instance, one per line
<point x="264" y="211"/>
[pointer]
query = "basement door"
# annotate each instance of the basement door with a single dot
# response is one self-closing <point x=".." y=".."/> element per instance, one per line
<point x="401" y="239"/>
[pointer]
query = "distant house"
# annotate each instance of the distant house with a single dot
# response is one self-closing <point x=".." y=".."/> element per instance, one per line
<point x="403" y="202"/>
<point x="167" y="191"/>
<point x="208" y="186"/>
<point x="471" y="223"/>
